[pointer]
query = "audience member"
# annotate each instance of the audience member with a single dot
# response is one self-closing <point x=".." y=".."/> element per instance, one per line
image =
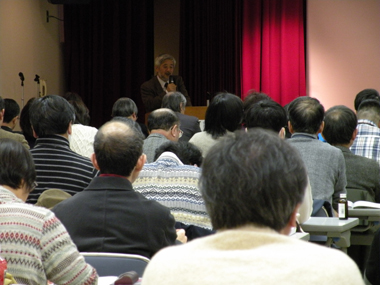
<point x="188" y="153"/>
<point x="176" y="101"/>
<point x="270" y="115"/>
<point x="365" y="94"/>
<point x="25" y="124"/>
<point x="130" y="223"/>
<point x="223" y="117"/>
<point x="126" y="107"/>
<point x="153" y="90"/>
<point x="324" y="163"/>
<point x="34" y="243"/>
<point x="362" y="173"/>
<point x="163" y="126"/>
<point x="367" y="141"/>
<point x="10" y="135"/>
<point x="82" y="136"/>
<point x="267" y="114"/>
<point x="175" y="185"/>
<point x="57" y="165"/>
<point x="252" y="98"/>
<point x="250" y="247"/>
<point x="11" y="115"/>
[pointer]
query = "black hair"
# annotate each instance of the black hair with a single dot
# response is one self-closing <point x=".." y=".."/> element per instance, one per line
<point x="12" y="110"/>
<point x="340" y="124"/>
<point x="366" y="94"/>
<point x="187" y="152"/>
<point x="306" y="114"/>
<point x="124" y="107"/>
<point x="51" y="115"/>
<point x="16" y="165"/>
<point x="225" y="113"/>
<point x="266" y="114"/>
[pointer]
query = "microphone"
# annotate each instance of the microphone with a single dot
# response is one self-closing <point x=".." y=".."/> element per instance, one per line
<point x="171" y="79"/>
<point x="22" y="78"/>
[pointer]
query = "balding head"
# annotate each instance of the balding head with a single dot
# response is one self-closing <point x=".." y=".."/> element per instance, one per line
<point x="118" y="146"/>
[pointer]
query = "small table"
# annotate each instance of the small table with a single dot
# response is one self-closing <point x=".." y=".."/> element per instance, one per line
<point x="332" y="228"/>
<point x="303" y="236"/>
<point x="368" y="223"/>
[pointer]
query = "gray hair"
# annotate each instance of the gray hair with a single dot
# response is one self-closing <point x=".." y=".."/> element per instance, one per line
<point x="173" y="101"/>
<point x="161" y="58"/>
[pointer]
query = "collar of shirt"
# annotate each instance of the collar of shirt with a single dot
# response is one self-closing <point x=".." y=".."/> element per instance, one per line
<point x="366" y="122"/>
<point x="162" y="83"/>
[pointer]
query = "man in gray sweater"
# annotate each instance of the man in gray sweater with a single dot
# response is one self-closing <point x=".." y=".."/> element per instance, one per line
<point x="324" y="163"/>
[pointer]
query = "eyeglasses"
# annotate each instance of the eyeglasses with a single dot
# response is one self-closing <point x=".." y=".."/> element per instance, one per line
<point x="34" y="185"/>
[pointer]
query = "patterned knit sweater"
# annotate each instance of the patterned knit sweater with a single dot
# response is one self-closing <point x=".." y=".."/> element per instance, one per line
<point x="37" y="246"/>
<point x="174" y="185"/>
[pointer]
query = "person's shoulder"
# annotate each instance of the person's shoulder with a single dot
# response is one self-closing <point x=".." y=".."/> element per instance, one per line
<point x="149" y="82"/>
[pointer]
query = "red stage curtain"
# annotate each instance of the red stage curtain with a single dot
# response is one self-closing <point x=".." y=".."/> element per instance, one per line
<point x="273" y="53"/>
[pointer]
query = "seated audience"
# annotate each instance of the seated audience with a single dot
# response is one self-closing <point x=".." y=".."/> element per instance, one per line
<point x="324" y="163"/>
<point x="112" y="216"/>
<point x="175" y="185"/>
<point x="365" y="94"/>
<point x="10" y="135"/>
<point x="34" y="243"/>
<point x="126" y="107"/>
<point x="57" y="165"/>
<point x="367" y="141"/>
<point x="223" y="117"/>
<point x="270" y="115"/>
<point x="82" y="135"/>
<point x="163" y="126"/>
<point x="11" y="115"/>
<point x="25" y="124"/>
<point x="362" y="173"/>
<point x="252" y="184"/>
<point x="176" y="101"/>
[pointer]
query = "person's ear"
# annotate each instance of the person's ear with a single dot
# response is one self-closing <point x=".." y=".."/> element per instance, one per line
<point x="354" y="134"/>
<point x="70" y="129"/>
<point x="94" y="161"/>
<point x="290" y="127"/>
<point x="14" y="121"/>
<point x="34" y="133"/>
<point x="321" y="127"/>
<point x="2" y="114"/>
<point x="292" y="221"/>
<point x="173" y="131"/>
<point x="281" y="133"/>
<point x="140" y="162"/>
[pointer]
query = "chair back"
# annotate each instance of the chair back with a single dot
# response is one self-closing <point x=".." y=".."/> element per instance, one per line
<point x="354" y="195"/>
<point x="114" y="264"/>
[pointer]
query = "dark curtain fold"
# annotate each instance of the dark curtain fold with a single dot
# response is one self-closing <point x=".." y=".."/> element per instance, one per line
<point x="210" y="47"/>
<point x="273" y="50"/>
<point x="108" y="52"/>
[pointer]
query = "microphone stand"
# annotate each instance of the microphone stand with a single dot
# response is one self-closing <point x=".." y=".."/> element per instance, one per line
<point x="37" y="80"/>
<point x="22" y="88"/>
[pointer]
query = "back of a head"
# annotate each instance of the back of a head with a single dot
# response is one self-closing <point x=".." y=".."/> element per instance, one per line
<point x="188" y="153"/>
<point x="117" y="146"/>
<point x="124" y="107"/>
<point x="306" y="114"/>
<point x="225" y="113"/>
<point x="253" y="97"/>
<point x="366" y="94"/>
<point x="340" y="124"/>
<point x="369" y="110"/>
<point x="173" y="101"/>
<point x="25" y="124"/>
<point x="82" y="114"/>
<point x="266" y="114"/>
<point x="162" y="119"/>
<point x="252" y="178"/>
<point x="16" y="165"/>
<point x="51" y="115"/>
<point x="12" y="110"/>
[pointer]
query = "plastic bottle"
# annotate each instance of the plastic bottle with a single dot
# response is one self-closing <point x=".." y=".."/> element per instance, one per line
<point x="343" y="207"/>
